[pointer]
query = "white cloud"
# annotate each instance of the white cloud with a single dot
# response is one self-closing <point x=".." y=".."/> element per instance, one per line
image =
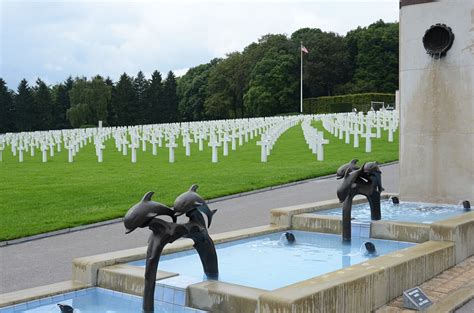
<point x="55" y="39"/>
<point x="180" y="72"/>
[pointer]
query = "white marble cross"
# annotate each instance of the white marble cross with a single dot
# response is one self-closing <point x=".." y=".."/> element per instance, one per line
<point x="171" y="145"/>
<point x="44" y="149"/>
<point x="153" y="145"/>
<point x="133" y="147"/>
<point x="144" y="138"/>
<point x="320" y="141"/>
<point x="160" y="139"/>
<point x="2" y="147"/>
<point x="71" y="148"/>
<point x="20" y="152"/>
<point x="124" y="146"/>
<point x="356" y="132"/>
<point x="368" y="135"/>
<point x="391" y="129"/>
<point x="225" y="142"/>
<point x="187" y="143"/>
<point x="32" y="149"/>
<point x="348" y="134"/>
<point x="263" y="151"/>
<point x="234" y="137"/>
<point x="214" y="144"/>
<point x="51" y="148"/>
<point x="98" y="150"/>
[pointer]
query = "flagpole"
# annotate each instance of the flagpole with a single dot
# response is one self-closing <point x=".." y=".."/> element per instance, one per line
<point x="301" y="78"/>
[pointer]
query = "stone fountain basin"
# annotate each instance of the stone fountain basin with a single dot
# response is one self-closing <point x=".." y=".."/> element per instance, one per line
<point x="362" y="287"/>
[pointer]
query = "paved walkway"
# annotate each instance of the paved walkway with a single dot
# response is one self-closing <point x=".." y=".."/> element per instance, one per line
<point x="49" y="260"/>
<point x="440" y="288"/>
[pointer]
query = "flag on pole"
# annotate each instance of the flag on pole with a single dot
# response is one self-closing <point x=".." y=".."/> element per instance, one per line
<point x="303" y="48"/>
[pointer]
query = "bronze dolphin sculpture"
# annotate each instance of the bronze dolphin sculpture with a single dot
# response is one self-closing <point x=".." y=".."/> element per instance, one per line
<point x="346" y="168"/>
<point x="189" y="201"/>
<point x="142" y="213"/>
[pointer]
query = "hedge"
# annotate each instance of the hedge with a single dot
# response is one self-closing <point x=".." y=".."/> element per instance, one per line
<point x="345" y="103"/>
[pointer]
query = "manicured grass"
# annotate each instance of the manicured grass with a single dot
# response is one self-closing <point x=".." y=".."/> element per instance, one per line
<point x="39" y="197"/>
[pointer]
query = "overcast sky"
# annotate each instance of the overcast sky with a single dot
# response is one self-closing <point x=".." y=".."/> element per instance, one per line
<point x="55" y="39"/>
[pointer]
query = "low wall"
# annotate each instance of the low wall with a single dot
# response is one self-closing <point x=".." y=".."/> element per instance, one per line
<point x="460" y="230"/>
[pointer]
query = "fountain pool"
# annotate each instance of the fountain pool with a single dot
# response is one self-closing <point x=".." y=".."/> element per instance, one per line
<point x="94" y="300"/>
<point x="416" y="212"/>
<point x="270" y="262"/>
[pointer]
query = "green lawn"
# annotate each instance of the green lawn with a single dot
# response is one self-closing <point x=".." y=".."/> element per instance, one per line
<point x="39" y="197"/>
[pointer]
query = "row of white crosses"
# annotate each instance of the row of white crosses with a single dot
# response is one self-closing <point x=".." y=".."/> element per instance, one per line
<point x="225" y="134"/>
<point x="343" y="125"/>
<point x="270" y="137"/>
<point x="314" y="138"/>
<point x="72" y="140"/>
<point x="216" y="133"/>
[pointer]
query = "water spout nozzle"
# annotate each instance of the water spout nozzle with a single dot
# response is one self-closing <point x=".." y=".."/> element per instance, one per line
<point x="370" y="247"/>
<point x="395" y="200"/>
<point x="466" y="205"/>
<point x="290" y="237"/>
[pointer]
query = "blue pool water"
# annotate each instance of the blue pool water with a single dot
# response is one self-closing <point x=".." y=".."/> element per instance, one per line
<point x="268" y="262"/>
<point x="416" y="212"/>
<point x="94" y="300"/>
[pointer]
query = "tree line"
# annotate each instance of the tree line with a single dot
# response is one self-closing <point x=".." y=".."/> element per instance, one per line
<point x="262" y="80"/>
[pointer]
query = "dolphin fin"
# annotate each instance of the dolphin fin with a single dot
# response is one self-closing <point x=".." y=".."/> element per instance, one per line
<point x="194" y="187"/>
<point x="147" y="196"/>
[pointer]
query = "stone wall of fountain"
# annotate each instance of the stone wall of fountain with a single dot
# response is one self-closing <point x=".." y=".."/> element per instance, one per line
<point x="437" y="101"/>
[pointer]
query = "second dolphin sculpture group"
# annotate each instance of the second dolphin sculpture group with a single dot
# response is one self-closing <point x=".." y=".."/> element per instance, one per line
<point x="147" y="213"/>
<point x="365" y="180"/>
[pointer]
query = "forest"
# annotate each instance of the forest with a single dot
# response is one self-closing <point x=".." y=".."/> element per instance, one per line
<point x="261" y="80"/>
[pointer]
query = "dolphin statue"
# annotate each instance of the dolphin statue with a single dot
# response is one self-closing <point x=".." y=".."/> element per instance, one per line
<point x="373" y="168"/>
<point x="142" y="213"/>
<point x="186" y="202"/>
<point x="348" y="167"/>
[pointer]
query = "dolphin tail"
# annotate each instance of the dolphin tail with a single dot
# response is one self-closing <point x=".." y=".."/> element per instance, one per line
<point x="203" y="208"/>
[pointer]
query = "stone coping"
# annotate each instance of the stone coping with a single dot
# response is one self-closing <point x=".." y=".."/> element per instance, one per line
<point x="216" y="296"/>
<point x="283" y="216"/>
<point x="31" y="294"/>
<point x="86" y="269"/>
<point x="389" y="230"/>
<point x="127" y="278"/>
<point x="458" y="229"/>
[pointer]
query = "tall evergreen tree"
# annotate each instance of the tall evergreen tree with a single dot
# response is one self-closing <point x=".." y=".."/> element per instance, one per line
<point x="23" y="103"/>
<point x="110" y="111"/>
<point x="6" y="108"/>
<point x="43" y="108"/>
<point x="60" y="106"/>
<point x="154" y="95"/>
<point x="170" y="98"/>
<point x="140" y="85"/>
<point x="123" y="101"/>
